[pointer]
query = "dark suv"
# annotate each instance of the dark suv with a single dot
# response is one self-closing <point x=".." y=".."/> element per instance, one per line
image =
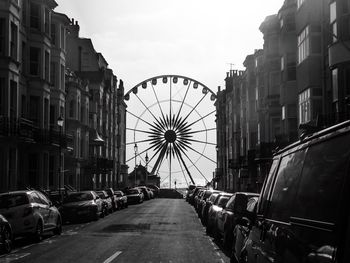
<point x="303" y="210"/>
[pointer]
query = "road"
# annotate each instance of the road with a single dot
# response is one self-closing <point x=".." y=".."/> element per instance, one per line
<point x="159" y="230"/>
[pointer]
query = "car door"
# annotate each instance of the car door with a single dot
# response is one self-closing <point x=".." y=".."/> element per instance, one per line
<point x="224" y="214"/>
<point x="40" y="209"/>
<point x="51" y="210"/>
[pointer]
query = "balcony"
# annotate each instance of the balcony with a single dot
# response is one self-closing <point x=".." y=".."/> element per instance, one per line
<point x="21" y="128"/>
<point x="339" y="53"/>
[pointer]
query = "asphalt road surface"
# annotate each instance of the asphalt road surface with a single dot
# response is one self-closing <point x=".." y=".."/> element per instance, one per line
<point x="159" y="230"/>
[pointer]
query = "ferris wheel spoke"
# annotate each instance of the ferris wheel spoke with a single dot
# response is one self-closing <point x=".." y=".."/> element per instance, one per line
<point x="182" y="170"/>
<point x="182" y="103"/>
<point x="179" y="156"/>
<point x="205" y="130"/>
<point x="157" y="150"/>
<point x="195" y="166"/>
<point x="210" y="113"/>
<point x="160" y="157"/>
<point x="201" y="154"/>
<point x="140" y="153"/>
<point x="147" y="108"/>
<point x="155" y="94"/>
<point x="142" y="119"/>
<point x="193" y="140"/>
<point x="147" y="140"/>
<point x="199" y="102"/>
<point x="131" y="129"/>
<point x="170" y="100"/>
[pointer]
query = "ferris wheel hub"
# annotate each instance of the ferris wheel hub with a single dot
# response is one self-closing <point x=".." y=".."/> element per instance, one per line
<point x="170" y="136"/>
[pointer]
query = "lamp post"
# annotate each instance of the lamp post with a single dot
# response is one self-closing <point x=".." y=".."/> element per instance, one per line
<point x="146" y="159"/>
<point x="135" y="150"/>
<point x="60" y="124"/>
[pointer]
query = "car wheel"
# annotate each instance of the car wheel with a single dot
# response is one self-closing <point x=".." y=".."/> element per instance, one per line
<point x="7" y="240"/>
<point x="38" y="234"/>
<point x="58" y="229"/>
<point x="126" y="205"/>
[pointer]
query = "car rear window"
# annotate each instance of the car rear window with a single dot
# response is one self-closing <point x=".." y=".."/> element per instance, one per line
<point x="13" y="200"/>
<point x="76" y="197"/>
<point x="132" y="191"/>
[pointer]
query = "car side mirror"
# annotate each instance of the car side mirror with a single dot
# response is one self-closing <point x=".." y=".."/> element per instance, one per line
<point x="240" y="204"/>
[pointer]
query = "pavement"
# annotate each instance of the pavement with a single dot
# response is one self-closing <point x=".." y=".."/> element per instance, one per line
<point x="159" y="230"/>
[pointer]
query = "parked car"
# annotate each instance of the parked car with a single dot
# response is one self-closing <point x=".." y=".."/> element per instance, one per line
<point x="106" y="202"/>
<point x="217" y="206"/>
<point x="122" y="199"/>
<point x="145" y="192"/>
<point x="113" y="197"/>
<point x="30" y="213"/>
<point x="227" y="219"/>
<point x="303" y="212"/>
<point x="202" y="201"/>
<point x="134" y="195"/>
<point x="6" y="236"/>
<point x="155" y="189"/>
<point x="241" y="231"/>
<point x="193" y="194"/>
<point x="208" y="203"/>
<point x="197" y="198"/>
<point x="82" y="205"/>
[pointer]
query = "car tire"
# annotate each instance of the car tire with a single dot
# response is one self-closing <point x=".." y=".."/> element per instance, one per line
<point x="7" y="240"/>
<point x="38" y="234"/>
<point x="58" y="229"/>
<point x="126" y="205"/>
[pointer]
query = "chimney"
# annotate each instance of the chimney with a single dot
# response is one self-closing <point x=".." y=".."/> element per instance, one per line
<point x="219" y="88"/>
<point x="74" y="29"/>
<point x="227" y="74"/>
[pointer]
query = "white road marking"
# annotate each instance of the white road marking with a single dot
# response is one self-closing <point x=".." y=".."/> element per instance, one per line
<point x="111" y="258"/>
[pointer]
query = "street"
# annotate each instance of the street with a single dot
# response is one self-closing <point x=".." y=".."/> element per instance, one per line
<point x="159" y="230"/>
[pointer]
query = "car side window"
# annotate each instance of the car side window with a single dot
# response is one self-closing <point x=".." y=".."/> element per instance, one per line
<point x="286" y="185"/>
<point x="43" y="198"/>
<point x="230" y="203"/>
<point x="322" y="180"/>
<point x="35" y="198"/>
<point x="267" y="187"/>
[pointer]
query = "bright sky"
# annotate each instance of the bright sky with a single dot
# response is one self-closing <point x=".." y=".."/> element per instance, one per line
<point x="194" y="38"/>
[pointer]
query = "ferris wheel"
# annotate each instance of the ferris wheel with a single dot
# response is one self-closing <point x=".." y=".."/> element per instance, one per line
<point x="171" y="129"/>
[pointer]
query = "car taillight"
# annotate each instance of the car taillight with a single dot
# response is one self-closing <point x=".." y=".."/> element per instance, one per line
<point x="27" y="211"/>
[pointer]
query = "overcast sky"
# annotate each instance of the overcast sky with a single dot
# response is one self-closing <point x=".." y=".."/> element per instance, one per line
<point x="194" y="38"/>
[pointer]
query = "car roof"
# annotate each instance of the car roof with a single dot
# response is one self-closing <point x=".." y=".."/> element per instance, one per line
<point x="17" y="192"/>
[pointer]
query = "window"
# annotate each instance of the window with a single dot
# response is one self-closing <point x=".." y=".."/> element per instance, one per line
<point x="333" y="20"/>
<point x="23" y="106"/>
<point x="34" y="16"/>
<point x="53" y="74"/>
<point x="34" y="109"/>
<point x="47" y="66"/>
<point x="24" y="57"/>
<point x="34" y="57"/>
<point x="283" y="112"/>
<point x="14" y="41"/>
<point x="13" y="99"/>
<point x="282" y="63"/>
<point x="304" y="106"/>
<point x="2" y="96"/>
<point x="335" y="84"/>
<point x="303" y="45"/>
<point x="62" y="78"/>
<point x="286" y="185"/>
<point x="53" y="34"/>
<point x="71" y="108"/>
<point x="322" y="179"/>
<point x="24" y="12"/>
<point x="299" y="3"/>
<point x="291" y="67"/>
<point x="267" y="187"/>
<point x="2" y="36"/>
<point x="63" y="39"/>
<point x="47" y="21"/>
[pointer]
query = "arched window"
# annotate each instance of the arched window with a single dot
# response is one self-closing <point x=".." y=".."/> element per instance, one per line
<point x="71" y="108"/>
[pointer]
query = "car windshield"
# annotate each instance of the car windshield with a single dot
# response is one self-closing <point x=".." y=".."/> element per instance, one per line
<point x="76" y="197"/>
<point x="7" y="201"/>
<point x="118" y="194"/>
<point x="101" y="194"/>
<point x="132" y="191"/>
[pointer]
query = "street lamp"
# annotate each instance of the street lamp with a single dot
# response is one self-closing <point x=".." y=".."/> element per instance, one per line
<point x="135" y="150"/>
<point x="146" y="159"/>
<point x="60" y="124"/>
